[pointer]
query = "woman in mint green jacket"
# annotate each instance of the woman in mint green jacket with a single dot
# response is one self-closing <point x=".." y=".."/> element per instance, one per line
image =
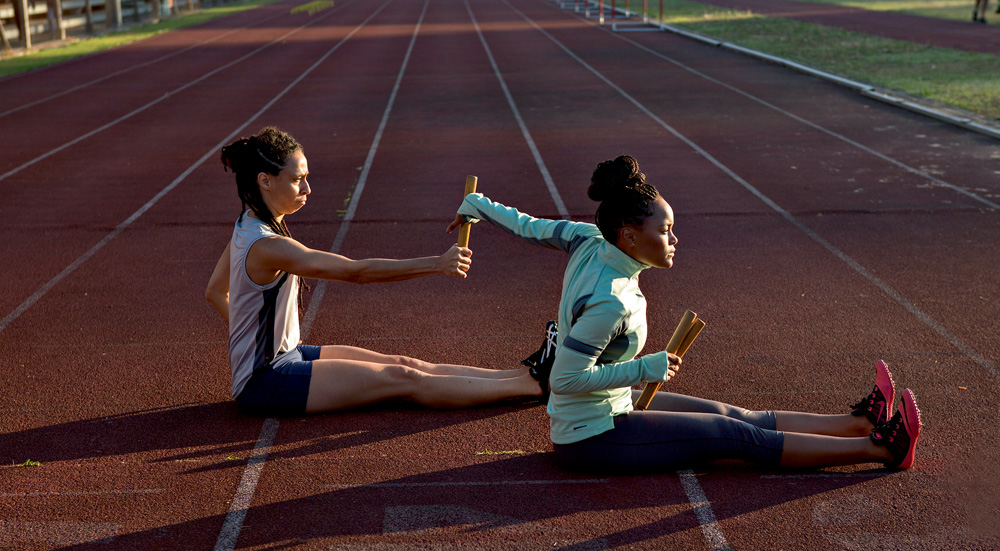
<point x="602" y="329"/>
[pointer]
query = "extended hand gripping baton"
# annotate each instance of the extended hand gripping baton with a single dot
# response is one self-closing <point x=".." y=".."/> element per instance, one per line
<point x="685" y="334"/>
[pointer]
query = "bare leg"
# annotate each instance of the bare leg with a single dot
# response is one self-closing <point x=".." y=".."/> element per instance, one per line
<point x="339" y="352"/>
<point x="845" y="425"/>
<point x="809" y="451"/>
<point x="347" y="384"/>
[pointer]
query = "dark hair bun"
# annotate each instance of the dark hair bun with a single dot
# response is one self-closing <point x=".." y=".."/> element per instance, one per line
<point x="611" y="177"/>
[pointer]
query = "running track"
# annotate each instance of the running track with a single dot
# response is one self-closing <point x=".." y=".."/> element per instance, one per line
<point x="818" y="232"/>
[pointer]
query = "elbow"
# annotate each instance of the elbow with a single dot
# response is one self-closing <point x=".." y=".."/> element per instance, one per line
<point x="562" y="386"/>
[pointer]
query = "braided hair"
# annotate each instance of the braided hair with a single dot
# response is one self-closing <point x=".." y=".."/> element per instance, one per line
<point x="625" y="197"/>
<point x="266" y="151"/>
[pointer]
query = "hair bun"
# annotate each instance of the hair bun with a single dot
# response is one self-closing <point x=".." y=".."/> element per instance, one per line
<point x="613" y="176"/>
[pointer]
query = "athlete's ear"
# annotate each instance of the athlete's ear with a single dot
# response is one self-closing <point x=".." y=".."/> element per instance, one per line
<point x="626" y="236"/>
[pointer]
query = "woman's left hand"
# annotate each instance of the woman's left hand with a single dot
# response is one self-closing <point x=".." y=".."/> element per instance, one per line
<point x="674" y="365"/>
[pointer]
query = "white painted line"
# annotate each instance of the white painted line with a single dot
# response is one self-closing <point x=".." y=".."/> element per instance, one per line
<point x="703" y="510"/>
<point x="172" y="93"/>
<point x="132" y="68"/>
<point x="822" y="475"/>
<point x="359" y="188"/>
<point x="61" y="533"/>
<point x="465" y="484"/>
<point x="967" y="350"/>
<point x="30" y="301"/>
<point x="863" y="88"/>
<point x="248" y="483"/>
<point x="85" y="493"/>
<point x="556" y="198"/>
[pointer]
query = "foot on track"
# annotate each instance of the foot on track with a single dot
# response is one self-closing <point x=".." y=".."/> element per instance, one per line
<point x="877" y="406"/>
<point x="900" y="434"/>
<point x="540" y="363"/>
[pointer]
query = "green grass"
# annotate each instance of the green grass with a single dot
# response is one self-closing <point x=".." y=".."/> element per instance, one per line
<point x="962" y="79"/>
<point x="943" y="9"/>
<point x="29" y="463"/>
<point x="42" y="58"/>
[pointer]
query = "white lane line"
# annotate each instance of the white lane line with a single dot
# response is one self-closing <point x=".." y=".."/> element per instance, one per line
<point x="134" y="67"/>
<point x="556" y="198"/>
<point x="813" y="125"/>
<point x="44" y="289"/>
<point x="466" y="484"/>
<point x="823" y="475"/>
<point x="14" y="534"/>
<point x="947" y="335"/>
<point x="172" y="93"/>
<point x="248" y="483"/>
<point x="85" y="493"/>
<point x="703" y="510"/>
<point x="352" y="207"/>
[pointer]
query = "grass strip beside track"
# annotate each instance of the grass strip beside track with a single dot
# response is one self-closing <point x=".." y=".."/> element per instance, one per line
<point x="78" y="48"/>
<point x="959" y="10"/>
<point x="967" y="80"/>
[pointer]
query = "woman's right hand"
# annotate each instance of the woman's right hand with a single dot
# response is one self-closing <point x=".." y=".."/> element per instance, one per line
<point x="458" y="221"/>
<point x="456" y="262"/>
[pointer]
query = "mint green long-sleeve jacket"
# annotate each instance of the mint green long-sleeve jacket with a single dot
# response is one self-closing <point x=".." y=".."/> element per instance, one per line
<point x="602" y="322"/>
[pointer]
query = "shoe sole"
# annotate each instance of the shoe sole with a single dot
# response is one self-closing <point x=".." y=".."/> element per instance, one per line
<point x="883" y="380"/>
<point x="911" y="421"/>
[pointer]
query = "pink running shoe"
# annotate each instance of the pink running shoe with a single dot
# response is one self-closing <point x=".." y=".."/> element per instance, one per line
<point x="877" y="406"/>
<point x="900" y="433"/>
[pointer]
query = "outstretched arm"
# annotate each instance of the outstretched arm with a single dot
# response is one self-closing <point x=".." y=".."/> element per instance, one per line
<point x="271" y="255"/>
<point x="218" y="286"/>
<point x="554" y="234"/>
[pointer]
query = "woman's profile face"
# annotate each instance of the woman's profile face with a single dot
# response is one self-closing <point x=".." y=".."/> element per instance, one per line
<point x="653" y="243"/>
<point x="286" y="192"/>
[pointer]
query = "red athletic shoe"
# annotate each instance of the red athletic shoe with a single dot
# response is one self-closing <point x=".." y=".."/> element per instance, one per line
<point x="900" y="433"/>
<point x="877" y="406"/>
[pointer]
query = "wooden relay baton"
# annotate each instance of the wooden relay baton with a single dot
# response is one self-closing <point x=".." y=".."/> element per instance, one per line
<point x="685" y="334"/>
<point x="463" y="231"/>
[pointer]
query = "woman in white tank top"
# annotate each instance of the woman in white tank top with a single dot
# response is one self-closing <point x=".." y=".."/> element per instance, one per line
<point x="256" y="287"/>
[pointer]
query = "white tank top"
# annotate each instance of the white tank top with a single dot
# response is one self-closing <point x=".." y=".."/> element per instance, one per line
<point x="263" y="319"/>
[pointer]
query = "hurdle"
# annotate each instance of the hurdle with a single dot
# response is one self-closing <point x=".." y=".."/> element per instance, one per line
<point x="634" y="26"/>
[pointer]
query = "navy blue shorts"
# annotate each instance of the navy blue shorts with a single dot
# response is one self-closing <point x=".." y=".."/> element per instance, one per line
<point x="676" y="431"/>
<point x="282" y="386"/>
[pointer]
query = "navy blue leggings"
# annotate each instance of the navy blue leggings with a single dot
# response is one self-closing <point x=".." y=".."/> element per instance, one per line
<point x="677" y="431"/>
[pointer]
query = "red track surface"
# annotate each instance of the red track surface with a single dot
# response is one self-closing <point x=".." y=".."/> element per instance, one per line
<point x="115" y="368"/>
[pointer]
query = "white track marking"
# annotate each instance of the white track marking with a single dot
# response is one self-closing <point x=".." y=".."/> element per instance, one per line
<point x="556" y="198"/>
<point x="132" y="68"/>
<point x="944" y="333"/>
<point x="23" y="307"/>
<point x="466" y="484"/>
<point x="84" y="493"/>
<point x="248" y="484"/>
<point x="172" y="93"/>
<point x="813" y="125"/>
<point x="703" y="510"/>
<point x="14" y="534"/>
<point x="359" y="188"/>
